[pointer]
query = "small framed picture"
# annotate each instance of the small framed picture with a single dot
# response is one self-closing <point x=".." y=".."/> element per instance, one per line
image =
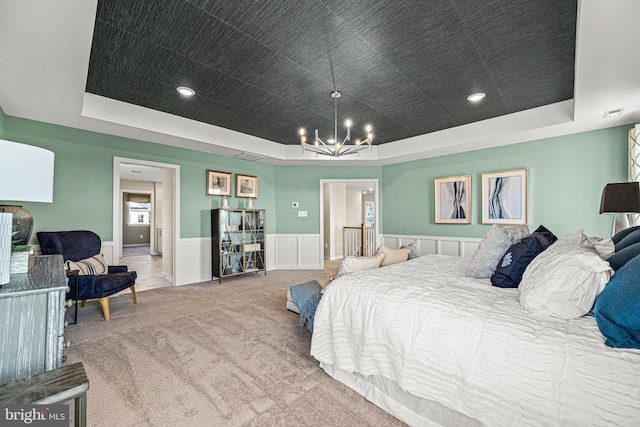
<point x="453" y="200"/>
<point x="504" y="197"/>
<point x="218" y="183"/>
<point x="246" y="186"/>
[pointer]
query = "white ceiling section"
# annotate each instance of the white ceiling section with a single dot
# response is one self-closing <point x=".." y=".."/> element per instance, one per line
<point x="45" y="46"/>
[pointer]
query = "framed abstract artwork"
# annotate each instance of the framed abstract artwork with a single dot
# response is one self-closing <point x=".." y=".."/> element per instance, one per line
<point x="246" y="186"/>
<point x="218" y="183"/>
<point x="504" y="197"/>
<point x="453" y="200"/>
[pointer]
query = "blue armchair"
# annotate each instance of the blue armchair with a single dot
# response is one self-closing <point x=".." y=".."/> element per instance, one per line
<point x="78" y="245"/>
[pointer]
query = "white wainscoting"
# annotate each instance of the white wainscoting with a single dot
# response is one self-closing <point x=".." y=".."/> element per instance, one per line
<point x="295" y="251"/>
<point x="194" y="262"/>
<point x="454" y="246"/>
<point x="107" y="251"/>
<point x="298" y="251"/>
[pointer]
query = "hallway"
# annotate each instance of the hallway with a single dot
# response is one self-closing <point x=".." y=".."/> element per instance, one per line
<point x="149" y="269"/>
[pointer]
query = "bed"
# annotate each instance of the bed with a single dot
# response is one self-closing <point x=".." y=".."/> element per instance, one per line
<point x="433" y="346"/>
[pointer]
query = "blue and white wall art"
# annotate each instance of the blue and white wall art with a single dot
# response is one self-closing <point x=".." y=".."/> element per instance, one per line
<point x="504" y="197"/>
<point x="453" y="200"/>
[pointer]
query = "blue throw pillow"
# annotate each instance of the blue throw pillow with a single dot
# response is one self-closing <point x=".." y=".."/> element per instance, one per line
<point x="630" y="239"/>
<point x="620" y="258"/>
<point x="617" y="308"/>
<point x="511" y="267"/>
<point x="624" y="233"/>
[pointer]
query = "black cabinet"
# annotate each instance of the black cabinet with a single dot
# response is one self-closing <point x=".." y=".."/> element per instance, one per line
<point x="238" y="242"/>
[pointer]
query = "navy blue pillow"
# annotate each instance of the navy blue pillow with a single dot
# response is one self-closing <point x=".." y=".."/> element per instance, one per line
<point x="511" y="267"/>
<point x="617" y="308"/>
<point x="630" y="239"/>
<point x="620" y="258"/>
<point x="624" y="233"/>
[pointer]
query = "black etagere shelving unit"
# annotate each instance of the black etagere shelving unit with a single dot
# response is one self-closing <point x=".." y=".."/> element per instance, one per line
<point x="238" y="242"/>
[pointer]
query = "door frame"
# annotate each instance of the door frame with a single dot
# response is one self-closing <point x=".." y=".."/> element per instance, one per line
<point x="347" y="181"/>
<point x="117" y="207"/>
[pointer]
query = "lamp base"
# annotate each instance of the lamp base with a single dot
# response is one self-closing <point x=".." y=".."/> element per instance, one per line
<point x="6" y="228"/>
<point x="22" y="223"/>
<point x="620" y="222"/>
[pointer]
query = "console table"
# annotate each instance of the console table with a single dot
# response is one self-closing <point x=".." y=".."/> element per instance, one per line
<point x="32" y="315"/>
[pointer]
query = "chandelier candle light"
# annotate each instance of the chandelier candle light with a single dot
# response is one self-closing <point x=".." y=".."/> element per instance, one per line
<point x="333" y="147"/>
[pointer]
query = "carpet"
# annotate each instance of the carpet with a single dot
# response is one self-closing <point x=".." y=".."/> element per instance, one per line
<point x="211" y="354"/>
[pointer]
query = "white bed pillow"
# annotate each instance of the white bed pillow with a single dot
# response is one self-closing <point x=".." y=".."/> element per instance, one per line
<point x="492" y="248"/>
<point x="352" y="263"/>
<point x="565" y="280"/>
<point x="393" y="256"/>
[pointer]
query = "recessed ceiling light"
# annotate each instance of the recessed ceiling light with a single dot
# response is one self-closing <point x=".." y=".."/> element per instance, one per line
<point x="613" y="113"/>
<point x="475" y="97"/>
<point x="186" y="91"/>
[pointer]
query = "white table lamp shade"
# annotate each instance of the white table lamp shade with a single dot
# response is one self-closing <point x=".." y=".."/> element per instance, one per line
<point x="26" y="173"/>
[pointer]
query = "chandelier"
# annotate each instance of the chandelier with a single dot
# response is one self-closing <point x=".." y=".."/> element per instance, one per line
<point x="333" y="147"/>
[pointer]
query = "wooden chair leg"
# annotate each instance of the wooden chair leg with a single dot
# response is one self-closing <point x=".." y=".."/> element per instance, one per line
<point x="133" y="293"/>
<point x="84" y="302"/>
<point x="104" y="302"/>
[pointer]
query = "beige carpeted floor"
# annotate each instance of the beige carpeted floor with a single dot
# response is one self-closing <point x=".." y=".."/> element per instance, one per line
<point x="212" y="354"/>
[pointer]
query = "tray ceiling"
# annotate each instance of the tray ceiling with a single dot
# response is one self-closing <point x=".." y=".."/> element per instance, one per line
<point x="267" y="68"/>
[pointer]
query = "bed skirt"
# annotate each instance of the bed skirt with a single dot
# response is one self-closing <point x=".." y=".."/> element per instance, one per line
<point x="411" y="409"/>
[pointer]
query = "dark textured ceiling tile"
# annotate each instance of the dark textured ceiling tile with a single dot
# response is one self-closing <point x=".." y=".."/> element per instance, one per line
<point x="267" y="68"/>
<point x="530" y="52"/>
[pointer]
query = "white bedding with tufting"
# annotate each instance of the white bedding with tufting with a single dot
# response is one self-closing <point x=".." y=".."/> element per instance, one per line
<point x="441" y="336"/>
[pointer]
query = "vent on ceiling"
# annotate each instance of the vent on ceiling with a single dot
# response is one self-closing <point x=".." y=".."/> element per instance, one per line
<point x="252" y="157"/>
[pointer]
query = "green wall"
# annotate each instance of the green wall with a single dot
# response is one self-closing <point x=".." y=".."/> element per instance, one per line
<point x="302" y="184"/>
<point x="566" y="177"/>
<point x="83" y="178"/>
<point x="2" y="119"/>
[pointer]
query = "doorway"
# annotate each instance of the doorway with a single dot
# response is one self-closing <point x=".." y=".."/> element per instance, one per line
<point x="148" y="193"/>
<point x="346" y="204"/>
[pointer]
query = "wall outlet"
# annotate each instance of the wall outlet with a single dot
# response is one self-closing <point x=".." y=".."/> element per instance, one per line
<point x="326" y="245"/>
<point x="294" y="205"/>
<point x="302" y="213"/>
<point x="142" y="236"/>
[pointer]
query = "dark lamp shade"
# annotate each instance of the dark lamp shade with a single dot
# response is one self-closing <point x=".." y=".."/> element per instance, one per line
<point x="621" y="197"/>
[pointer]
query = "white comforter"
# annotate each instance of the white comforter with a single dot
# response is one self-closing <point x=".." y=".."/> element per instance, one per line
<point x="460" y="341"/>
